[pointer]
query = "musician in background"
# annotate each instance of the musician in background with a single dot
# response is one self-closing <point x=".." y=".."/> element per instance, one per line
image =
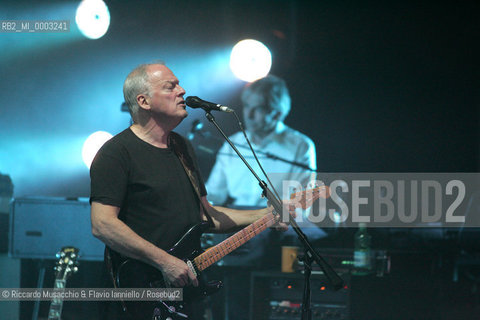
<point x="146" y="190"/>
<point x="266" y="104"/>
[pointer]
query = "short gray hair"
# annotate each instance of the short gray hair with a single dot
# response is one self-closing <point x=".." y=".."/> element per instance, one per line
<point x="275" y="92"/>
<point x="137" y="82"/>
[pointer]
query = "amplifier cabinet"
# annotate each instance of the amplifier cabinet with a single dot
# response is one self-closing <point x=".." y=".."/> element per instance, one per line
<point x="40" y="227"/>
<point x="278" y="296"/>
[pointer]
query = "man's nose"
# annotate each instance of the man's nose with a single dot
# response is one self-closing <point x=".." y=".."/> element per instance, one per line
<point x="181" y="91"/>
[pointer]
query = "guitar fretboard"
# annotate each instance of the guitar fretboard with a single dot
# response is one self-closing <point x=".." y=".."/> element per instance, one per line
<point x="57" y="304"/>
<point x="217" y="252"/>
<point x="66" y="265"/>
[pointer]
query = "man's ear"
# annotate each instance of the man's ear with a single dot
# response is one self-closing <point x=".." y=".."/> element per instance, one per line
<point x="143" y="102"/>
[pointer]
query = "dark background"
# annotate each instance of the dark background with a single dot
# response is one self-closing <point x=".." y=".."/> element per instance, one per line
<point x="387" y="86"/>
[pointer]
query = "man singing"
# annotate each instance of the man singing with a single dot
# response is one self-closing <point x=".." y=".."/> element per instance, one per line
<point x="146" y="190"/>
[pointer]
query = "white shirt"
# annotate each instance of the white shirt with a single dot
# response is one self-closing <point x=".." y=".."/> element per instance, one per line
<point x="231" y="178"/>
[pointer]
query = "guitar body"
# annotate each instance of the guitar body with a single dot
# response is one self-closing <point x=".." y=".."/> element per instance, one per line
<point x="136" y="274"/>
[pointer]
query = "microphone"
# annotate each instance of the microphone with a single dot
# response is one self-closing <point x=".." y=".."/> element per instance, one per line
<point x="197" y="126"/>
<point x="196" y="102"/>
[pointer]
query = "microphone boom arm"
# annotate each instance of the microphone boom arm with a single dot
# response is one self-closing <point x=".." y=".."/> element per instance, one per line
<point x="266" y="154"/>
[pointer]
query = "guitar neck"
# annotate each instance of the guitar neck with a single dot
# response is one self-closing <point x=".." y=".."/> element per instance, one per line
<point x="217" y="252"/>
<point x="56" y="305"/>
<point x="66" y="265"/>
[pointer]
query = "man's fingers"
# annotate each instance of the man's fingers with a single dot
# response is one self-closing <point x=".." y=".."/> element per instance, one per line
<point x="178" y="283"/>
<point x="282" y="226"/>
<point x="193" y="280"/>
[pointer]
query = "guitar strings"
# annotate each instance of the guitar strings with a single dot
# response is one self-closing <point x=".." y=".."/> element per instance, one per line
<point x="212" y="257"/>
<point x="209" y="257"/>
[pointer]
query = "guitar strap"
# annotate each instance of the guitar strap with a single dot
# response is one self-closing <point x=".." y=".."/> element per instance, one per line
<point x="180" y="148"/>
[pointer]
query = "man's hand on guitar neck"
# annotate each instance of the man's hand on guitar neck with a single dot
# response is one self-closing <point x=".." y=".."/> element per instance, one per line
<point x="288" y="207"/>
<point x="177" y="273"/>
<point x="299" y="200"/>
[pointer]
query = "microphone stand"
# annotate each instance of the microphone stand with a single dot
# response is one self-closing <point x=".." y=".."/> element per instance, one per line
<point x="310" y="255"/>
<point x="266" y="154"/>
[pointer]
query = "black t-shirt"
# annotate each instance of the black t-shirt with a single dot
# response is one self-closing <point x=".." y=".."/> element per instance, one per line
<point x="149" y="184"/>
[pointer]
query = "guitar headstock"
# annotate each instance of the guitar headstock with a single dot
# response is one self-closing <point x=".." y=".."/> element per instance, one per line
<point x="304" y="199"/>
<point x="67" y="263"/>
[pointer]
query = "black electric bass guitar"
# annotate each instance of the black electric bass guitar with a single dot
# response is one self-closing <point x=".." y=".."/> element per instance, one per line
<point x="132" y="273"/>
<point x="66" y="265"/>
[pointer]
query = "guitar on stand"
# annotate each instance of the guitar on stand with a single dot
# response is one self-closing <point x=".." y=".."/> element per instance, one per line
<point x="132" y="273"/>
<point x="66" y="265"/>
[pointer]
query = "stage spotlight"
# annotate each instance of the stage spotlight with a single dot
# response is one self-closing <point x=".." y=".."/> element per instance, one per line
<point x="92" y="18"/>
<point x="91" y="146"/>
<point x="250" y="60"/>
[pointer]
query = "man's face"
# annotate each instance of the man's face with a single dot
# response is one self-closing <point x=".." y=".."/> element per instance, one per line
<point x="166" y="94"/>
<point x="259" y="117"/>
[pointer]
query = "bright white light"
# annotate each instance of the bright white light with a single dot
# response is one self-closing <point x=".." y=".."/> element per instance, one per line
<point x="92" y="18"/>
<point x="91" y="146"/>
<point x="250" y="60"/>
